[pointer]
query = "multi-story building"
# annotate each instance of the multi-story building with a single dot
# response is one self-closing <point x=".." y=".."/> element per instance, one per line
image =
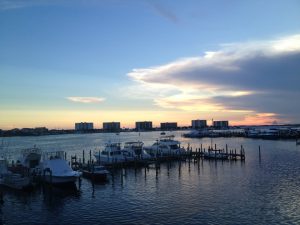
<point x="145" y="125"/>
<point x="112" y="126"/>
<point x="221" y="124"/>
<point x="199" y="124"/>
<point x="84" y="126"/>
<point x="168" y="126"/>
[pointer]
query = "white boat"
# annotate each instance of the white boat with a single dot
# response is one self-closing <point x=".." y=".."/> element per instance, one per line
<point x="31" y="157"/>
<point x="136" y="150"/>
<point x="112" y="153"/>
<point x="166" y="146"/>
<point x="10" y="179"/>
<point x="56" y="170"/>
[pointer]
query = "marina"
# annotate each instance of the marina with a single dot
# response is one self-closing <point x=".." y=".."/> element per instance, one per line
<point x="149" y="112"/>
<point x="200" y="180"/>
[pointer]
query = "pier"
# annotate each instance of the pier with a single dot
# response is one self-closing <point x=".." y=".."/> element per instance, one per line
<point x="211" y="153"/>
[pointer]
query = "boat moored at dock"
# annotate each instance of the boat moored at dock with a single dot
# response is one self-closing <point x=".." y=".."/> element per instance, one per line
<point x="112" y="154"/>
<point x="135" y="149"/>
<point x="166" y="146"/>
<point x="56" y="169"/>
<point x="11" y="179"/>
<point x="31" y="157"/>
<point x="96" y="173"/>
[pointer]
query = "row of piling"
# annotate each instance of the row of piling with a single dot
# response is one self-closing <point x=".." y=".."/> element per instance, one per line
<point x="211" y="153"/>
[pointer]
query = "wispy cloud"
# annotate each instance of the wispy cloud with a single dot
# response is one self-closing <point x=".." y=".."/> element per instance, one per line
<point x="163" y="11"/>
<point x="86" y="99"/>
<point x="16" y="4"/>
<point x="260" y="77"/>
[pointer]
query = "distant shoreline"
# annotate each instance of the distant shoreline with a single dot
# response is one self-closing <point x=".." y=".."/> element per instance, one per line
<point x="269" y="132"/>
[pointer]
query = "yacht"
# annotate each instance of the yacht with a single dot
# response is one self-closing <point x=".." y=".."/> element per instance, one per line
<point x="10" y="179"/>
<point x="165" y="146"/>
<point x="112" y="153"/>
<point x="135" y="149"/>
<point x="56" y="170"/>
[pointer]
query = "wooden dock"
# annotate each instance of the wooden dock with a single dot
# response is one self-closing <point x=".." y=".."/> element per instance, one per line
<point x="190" y="154"/>
<point x="218" y="154"/>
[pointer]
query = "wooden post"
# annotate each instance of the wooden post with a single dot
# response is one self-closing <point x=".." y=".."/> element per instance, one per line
<point x="50" y="176"/>
<point x="99" y="157"/>
<point x="241" y="151"/>
<point x="83" y="157"/>
<point x="91" y="156"/>
<point x="1" y="198"/>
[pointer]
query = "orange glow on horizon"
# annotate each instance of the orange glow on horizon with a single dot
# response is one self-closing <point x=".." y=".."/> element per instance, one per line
<point x="67" y="119"/>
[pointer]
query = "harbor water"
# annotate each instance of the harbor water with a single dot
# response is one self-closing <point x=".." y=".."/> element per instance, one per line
<point x="259" y="190"/>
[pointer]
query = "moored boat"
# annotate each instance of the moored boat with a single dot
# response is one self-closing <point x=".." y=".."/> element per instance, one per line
<point x="31" y="157"/>
<point x="56" y="170"/>
<point x="112" y="154"/>
<point x="10" y="179"/>
<point x="136" y="150"/>
<point x="166" y="146"/>
<point x="96" y="173"/>
<point x="29" y="161"/>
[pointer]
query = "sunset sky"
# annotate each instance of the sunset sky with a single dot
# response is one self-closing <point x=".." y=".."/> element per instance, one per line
<point x="66" y="61"/>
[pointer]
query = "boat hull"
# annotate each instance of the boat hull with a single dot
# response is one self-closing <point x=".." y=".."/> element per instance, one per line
<point x="96" y="177"/>
<point x="15" y="183"/>
<point x="60" y="179"/>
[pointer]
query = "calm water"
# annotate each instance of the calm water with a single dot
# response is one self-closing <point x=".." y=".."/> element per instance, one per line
<point x="265" y="191"/>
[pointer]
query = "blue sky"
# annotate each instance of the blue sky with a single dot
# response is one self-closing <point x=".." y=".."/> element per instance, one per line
<point x="67" y="61"/>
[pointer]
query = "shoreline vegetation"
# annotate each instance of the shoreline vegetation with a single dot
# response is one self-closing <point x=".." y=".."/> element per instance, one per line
<point x="263" y="132"/>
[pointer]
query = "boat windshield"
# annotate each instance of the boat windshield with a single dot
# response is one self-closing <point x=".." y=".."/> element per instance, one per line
<point x="113" y="145"/>
<point x="137" y="144"/>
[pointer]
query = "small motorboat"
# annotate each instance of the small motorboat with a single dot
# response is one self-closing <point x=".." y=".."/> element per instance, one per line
<point x="96" y="173"/>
